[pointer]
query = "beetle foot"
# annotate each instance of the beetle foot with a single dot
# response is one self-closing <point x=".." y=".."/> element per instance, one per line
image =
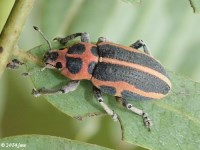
<point x="115" y="117"/>
<point x="57" y="39"/>
<point x="102" y="39"/>
<point x="37" y="93"/>
<point x="140" y="43"/>
<point x="85" y="37"/>
<point x="147" y="121"/>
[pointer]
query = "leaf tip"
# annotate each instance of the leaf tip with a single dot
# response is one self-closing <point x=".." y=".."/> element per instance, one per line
<point x="195" y="6"/>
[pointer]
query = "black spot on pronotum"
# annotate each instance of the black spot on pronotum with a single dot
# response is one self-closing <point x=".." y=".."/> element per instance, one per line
<point x="74" y="65"/>
<point x="58" y="65"/>
<point x="1" y="49"/>
<point x="91" y="67"/>
<point x="94" y="51"/>
<point x="76" y="49"/>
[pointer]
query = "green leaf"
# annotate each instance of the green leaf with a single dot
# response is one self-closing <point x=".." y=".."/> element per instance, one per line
<point x="195" y="4"/>
<point x="42" y="142"/>
<point x="175" y="118"/>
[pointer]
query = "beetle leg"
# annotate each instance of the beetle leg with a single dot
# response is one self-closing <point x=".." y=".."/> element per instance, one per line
<point x="102" y="39"/>
<point x="146" y="119"/>
<point x="71" y="86"/>
<point x="99" y="98"/>
<point x="85" y="37"/>
<point x="140" y="43"/>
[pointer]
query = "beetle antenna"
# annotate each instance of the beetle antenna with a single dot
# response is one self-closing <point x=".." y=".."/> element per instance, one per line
<point x="48" y="42"/>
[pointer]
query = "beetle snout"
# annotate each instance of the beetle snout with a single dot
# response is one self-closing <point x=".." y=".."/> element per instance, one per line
<point x="50" y="57"/>
<point x="45" y="58"/>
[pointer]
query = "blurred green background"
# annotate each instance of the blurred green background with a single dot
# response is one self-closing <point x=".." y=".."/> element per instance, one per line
<point x="170" y="28"/>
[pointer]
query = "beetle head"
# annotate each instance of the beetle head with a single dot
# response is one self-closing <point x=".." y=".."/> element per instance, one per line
<point x="53" y="60"/>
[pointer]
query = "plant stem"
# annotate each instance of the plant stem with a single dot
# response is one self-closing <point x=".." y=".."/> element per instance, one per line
<point x="12" y="30"/>
<point x="26" y="57"/>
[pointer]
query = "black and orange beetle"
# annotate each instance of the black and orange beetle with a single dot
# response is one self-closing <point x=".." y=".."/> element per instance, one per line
<point x="121" y="71"/>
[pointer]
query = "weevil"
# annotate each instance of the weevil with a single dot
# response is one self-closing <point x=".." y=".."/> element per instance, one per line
<point x="122" y="71"/>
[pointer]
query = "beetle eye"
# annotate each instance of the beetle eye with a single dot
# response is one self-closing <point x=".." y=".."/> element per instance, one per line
<point x="58" y="65"/>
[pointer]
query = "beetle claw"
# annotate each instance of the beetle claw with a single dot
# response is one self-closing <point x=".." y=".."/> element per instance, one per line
<point x="57" y="39"/>
<point x="114" y="117"/>
<point x="36" y="93"/>
<point x="147" y="122"/>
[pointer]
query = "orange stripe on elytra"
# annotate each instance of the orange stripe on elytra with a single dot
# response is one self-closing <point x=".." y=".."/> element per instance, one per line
<point x="138" y="67"/>
<point x="121" y="86"/>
